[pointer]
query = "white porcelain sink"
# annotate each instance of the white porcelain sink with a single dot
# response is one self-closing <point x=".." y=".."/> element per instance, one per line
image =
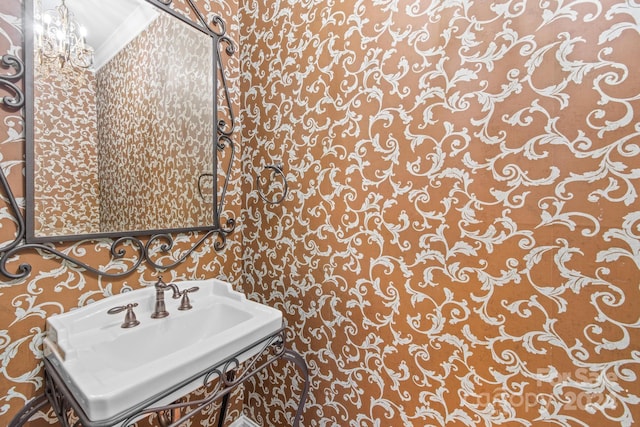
<point x="111" y="369"/>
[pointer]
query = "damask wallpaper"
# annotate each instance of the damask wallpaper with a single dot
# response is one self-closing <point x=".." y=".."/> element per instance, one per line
<point x="55" y="286"/>
<point x="65" y="154"/>
<point x="459" y="244"/>
<point x="154" y="161"/>
<point x="119" y="173"/>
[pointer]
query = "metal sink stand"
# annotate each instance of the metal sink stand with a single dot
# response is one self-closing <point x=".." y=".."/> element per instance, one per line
<point x="231" y="373"/>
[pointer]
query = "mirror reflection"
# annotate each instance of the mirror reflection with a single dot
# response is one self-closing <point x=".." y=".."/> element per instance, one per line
<point x="122" y="126"/>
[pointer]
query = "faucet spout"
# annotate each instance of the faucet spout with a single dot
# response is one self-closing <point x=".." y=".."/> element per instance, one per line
<point x="176" y="291"/>
<point x="160" y="310"/>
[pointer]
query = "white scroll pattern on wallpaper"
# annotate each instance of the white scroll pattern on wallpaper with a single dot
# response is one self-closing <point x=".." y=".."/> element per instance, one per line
<point x="56" y="286"/>
<point x="460" y="242"/>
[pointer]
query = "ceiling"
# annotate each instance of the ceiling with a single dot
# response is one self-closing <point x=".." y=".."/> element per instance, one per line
<point x="111" y="24"/>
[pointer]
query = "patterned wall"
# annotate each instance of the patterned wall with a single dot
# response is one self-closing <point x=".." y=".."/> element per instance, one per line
<point x="461" y="240"/>
<point x="54" y="286"/>
<point x="145" y="165"/>
<point x="459" y="245"/>
<point x="152" y="163"/>
<point x="65" y="153"/>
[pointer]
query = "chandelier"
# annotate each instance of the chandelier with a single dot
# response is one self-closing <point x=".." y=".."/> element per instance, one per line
<point x="60" y="43"/>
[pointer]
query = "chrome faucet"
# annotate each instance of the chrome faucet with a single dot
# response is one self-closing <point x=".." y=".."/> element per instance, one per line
<point x="160" y="310"/>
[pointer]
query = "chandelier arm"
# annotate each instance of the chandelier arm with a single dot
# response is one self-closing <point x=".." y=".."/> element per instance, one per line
<point x="60" y="42"/>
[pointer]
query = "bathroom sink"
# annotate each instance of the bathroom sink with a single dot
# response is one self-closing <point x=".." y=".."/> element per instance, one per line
<point x="111" y="370"/>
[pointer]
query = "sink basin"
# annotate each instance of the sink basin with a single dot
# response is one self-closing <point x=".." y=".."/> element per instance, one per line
<point x="110" y="369"/>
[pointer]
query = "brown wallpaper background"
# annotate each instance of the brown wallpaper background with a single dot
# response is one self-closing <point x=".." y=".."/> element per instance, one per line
<point x="54" y="286"/>
<point x="119" y="173"/>
<point x="65" y="155"/>
<point x="460" y="243"/>
<point x="152" y="163"/>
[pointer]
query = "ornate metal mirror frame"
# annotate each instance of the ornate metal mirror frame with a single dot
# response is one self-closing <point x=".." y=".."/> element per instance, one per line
<point x="12" y="71"/>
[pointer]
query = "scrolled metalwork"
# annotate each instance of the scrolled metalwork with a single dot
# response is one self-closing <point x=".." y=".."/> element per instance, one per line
<point x="116" y="250"/>
<point x="221" y="237"/>
<point x="30" y="409"/>
<point x="61" y="406"/>
<point x="222" y="141"/>
<point x="20" y="225"/>
<point x="230" y="49"/>
<point x="168" y="246"/>
<point x="12" y="103"/>
<point x="219" y="22"/>
<point x="17" y="100"/>
<point x="230" y="373"/>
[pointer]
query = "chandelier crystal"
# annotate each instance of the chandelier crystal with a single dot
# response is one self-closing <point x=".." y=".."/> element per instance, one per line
<point x="60" y="42"/>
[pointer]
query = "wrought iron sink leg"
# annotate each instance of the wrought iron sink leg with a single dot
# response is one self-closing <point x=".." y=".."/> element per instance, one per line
<point x="168" y="415"/>
<point x="165" y="417"/>
<point x="225" y="399"/>
<point x="28" y="411"/>
<point x="62" y="400"/>
<point x="294" y="357"/>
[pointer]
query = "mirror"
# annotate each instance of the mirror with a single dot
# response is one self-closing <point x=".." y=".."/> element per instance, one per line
<point x="121" y="136"/>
